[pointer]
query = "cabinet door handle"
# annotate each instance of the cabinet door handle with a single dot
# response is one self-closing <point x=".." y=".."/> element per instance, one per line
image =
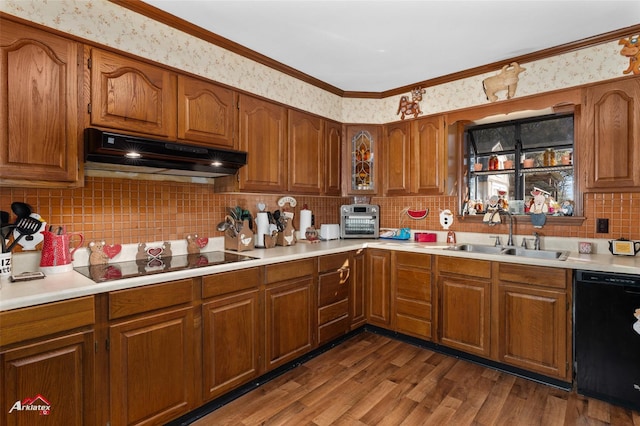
<point x="344" y="275"/>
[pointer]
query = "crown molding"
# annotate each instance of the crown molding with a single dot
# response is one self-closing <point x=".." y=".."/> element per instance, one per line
<point x="156" y="14"/>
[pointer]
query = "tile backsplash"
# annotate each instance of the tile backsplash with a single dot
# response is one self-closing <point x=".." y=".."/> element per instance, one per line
<point x="122" y="211"/>
<point x="128" y="211"/>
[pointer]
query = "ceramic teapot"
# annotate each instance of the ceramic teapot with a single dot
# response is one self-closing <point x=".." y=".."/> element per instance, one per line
<point x="624" y="247"/>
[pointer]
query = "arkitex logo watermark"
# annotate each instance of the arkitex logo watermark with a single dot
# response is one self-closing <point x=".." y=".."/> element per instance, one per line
<point x="37" y="403"/>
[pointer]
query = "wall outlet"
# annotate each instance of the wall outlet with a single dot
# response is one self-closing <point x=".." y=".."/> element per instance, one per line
<point x="602" y="226"/>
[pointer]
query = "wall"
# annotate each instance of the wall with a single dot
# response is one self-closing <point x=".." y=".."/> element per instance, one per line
<point x="124" y="211"/>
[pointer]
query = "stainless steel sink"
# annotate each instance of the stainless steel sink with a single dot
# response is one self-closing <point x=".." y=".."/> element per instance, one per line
<point x="536" y="254"/>
<point x="511" y="251"/>
<point x="477" y="248"/>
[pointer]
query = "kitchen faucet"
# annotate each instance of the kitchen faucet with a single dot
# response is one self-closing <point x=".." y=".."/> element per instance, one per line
<point x="503" y="212"/>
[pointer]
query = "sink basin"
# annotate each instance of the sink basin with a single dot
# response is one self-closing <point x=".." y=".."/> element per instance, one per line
<point x="536" y="254"/>
<point x="511" y="251"/>
<point x="477" y="248"/>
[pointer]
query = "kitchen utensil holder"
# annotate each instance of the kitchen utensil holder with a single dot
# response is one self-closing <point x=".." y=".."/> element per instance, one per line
<point x="240" y="242"/>
<point x="270" y="240"/>
<point x="287" y="236"/>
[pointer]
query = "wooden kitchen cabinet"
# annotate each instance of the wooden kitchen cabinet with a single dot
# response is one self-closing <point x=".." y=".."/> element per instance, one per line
<point x="40" y="131"/>
<point x="464" y="289"/>
<point x="131" y="95"/>
<point x="230" y="330"/>
<point x="288" y="312"/>
<point x="334" y="275"/>
<point x="412" y="294"/>
<point x="151" y="353"/>
<point x="306" y="153"/>
<point x="534" y="319"/>
<point x="361" y="166"/>
<point x="611" y="135"/>
<point x="207" y="113"/>
<point x="378" y="294"/>
<point x="48" y="354"/>
<point x="415" y="157"/>
<point x="333" y="158"/>
<point x="357" y="299"/>
<point x="429" y="155"/>
<point x="397" y="158"/>
<point x="263" y="134"/>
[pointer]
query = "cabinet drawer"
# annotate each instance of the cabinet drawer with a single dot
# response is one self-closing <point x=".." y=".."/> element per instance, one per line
<point x="413" y="259"/>
<point x="230" y="282"/>
<point x="37" y="321"/>
<point x="123" y="303"/>
<point x="413" y="308"/>
<point x="332" y="312"/>
<point x="413" y="284"/>
<point x="332" y="288"/>
<point x="471" y="267"/>
<point x="289" y="270"/>
<point x="333" y="262"/>
<point x="333" y="329"/>
<point x="536" y="275"/>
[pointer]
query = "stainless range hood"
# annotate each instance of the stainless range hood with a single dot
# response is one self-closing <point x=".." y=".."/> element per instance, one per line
<point x="117" y="152"/>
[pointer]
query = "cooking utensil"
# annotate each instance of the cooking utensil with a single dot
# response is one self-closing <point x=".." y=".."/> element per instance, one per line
<point x="25" y="226"/>
<point x="4" y="234"/>
<point x="21" y="209"/>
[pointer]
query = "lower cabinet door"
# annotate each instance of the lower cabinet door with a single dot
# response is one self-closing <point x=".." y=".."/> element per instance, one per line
<point x="464" y="321"/>
<point x="230" y="342"/>
<point x="56" y="374"/>
<point x="533" y="329"/>
<point x="288" y="321"/>
<point x="151" y="368"/>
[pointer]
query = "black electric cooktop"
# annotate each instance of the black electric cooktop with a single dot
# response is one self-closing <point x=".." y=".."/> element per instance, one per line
<point x="139" y="268"/>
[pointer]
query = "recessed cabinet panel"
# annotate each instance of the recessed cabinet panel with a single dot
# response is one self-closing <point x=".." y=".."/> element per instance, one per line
<point x="464" y="320"/>
<point x="397" y="159"/>
<point x="263" y="134"/>
<point x="306" y="153"/>
<point x="333" y="158"/>
<point x="230" y="342"/>
<point x="429" y="156"/>
<point x="206" y="112"/>
<point x="59" y="371"/>
<point x="132" y="95"/>
<point x="612" y="135"/>
<point x="39" y="108"/>
<point x="152" y="356"/>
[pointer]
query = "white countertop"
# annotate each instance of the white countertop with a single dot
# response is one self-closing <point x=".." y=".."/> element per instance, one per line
<point x="56" y="287"/>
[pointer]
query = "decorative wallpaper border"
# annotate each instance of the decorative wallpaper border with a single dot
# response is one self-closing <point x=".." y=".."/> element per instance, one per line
<point x="103" y="22"/>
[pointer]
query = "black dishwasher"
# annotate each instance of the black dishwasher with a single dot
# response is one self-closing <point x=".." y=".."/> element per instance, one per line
<point x="607" y="336"/>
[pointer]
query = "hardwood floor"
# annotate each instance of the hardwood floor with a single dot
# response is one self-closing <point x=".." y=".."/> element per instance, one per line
<point x="374" y="380"/>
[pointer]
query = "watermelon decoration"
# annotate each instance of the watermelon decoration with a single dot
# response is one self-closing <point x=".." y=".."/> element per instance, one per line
<point x="417" y="214"/>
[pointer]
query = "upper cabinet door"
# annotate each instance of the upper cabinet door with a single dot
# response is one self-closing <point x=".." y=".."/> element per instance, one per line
<point x="362" y="162"/>
<point x="206" y="112"/>
<point x="612" y="135"/>
<point x="132" y="96"/>
<point x="332" y="158"/>
<point x="429" y="155"/>
<point x="263" y="134"/>
<point x="306" y="153"/>
<point x="397" y="159"/>
<point x="39" y="126"/>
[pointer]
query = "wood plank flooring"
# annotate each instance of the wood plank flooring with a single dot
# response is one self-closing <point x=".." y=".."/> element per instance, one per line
<point x="374" y="380"/>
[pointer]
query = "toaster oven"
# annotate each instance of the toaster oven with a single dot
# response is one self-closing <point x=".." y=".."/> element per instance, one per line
<point x="359" y="221"/>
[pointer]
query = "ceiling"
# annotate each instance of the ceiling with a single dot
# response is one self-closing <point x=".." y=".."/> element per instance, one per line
<point x="376" y="46"/>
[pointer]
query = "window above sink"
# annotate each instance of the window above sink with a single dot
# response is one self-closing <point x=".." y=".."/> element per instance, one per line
<point x="509" y="159"/>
